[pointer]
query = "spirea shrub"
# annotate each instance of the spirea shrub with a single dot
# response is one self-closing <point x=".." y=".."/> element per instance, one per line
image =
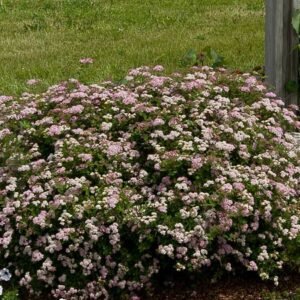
<point x="102" y="186"/>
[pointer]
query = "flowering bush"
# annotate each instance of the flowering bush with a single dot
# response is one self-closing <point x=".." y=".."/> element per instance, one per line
<point x="103" y="185"/>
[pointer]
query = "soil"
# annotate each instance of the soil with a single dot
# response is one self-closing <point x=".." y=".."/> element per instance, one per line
<point x="235" y="288"/>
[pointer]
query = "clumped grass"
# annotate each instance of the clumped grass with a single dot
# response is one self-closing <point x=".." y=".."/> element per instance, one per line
<point x="46" y="38"/>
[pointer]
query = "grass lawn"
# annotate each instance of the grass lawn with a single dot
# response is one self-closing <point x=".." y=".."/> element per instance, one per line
<point x="45" y="39"/>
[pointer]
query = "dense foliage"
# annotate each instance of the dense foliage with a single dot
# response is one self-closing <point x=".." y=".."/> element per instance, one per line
<point x="103" y="186"/>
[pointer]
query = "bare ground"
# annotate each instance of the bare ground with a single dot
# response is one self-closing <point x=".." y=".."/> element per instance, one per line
<point x="235" y="288"/>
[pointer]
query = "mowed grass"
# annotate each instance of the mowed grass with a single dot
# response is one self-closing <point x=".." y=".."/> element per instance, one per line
<point x="45" y="39"/>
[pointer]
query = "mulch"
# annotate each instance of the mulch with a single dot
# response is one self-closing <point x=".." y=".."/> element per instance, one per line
<point x="234" y="288"/>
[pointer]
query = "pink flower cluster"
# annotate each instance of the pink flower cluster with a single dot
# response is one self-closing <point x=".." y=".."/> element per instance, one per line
<point x="101" y="185"/>
<point x="33" y="81"/>
<point x="86" y="60"/>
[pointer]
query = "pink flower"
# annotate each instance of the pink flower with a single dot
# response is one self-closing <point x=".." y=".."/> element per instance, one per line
<point x="114" y="149"/>
<point x="245" y="89"/>
<point x="4" y="132"/>
<point x="76" y="109"/>
<point x="270" y="95"/>
<point x="85" y="157"/>
<point x="278" y="131"/>
<point x="158" y="122"/>
<point x="129" y="100"/>
<point x="225" y="146"/>
<point x="260" y="87"/>
<point x="227" y="188"/>
<point x="158" y="68"/>
<point x="157" y="81"/>
<point x="252" y="266"/>
<point x="197" y="162"/>
<point x="78" y="95"/>
<point x="4" y="99"/>
<point x="55" y="130"/>
<point x="86" y="60"/>
<point x="32" y="81"/>
<point x="239" y="186"/>
<point x="251" y="81"/>
<point x="227" y="204"/>
<point x="37" y="256"/>
<point x="40" y="219"/>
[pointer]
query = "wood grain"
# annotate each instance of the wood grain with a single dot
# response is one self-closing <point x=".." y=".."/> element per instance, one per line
<point x="281" y="57"/>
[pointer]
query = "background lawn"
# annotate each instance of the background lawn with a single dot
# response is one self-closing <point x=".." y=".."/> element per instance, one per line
<point x="45" y="39"/>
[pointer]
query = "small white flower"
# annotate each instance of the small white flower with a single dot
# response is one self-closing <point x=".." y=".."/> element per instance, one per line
<point x="5" y="275"/>
<point x="1" y="290"/>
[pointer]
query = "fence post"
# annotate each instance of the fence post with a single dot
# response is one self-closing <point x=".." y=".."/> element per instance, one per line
<point x="281" y="58"/>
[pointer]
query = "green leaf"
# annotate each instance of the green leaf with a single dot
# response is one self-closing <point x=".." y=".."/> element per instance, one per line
<point x="25" y="124"/>
<point x="11" y="295"/>
<point x="217" y="60"/>
<point x="200" y="37"/>
<point x="296" y="21"/>
<point x="189" y="58"/>
<point x="291" y="86"/>
<point x="122" y="81"/>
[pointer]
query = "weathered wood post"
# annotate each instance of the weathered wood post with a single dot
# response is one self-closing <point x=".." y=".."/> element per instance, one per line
<point x="281" y="57"/>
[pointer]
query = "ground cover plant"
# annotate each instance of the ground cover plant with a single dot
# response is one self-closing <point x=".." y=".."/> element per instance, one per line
<point x="45" y="39"/>
<point x="103" y="187"/>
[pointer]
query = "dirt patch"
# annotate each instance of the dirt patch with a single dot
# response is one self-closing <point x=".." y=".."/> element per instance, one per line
<point x="234" y="288"/>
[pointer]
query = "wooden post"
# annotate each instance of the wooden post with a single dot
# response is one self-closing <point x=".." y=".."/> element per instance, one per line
<point x="281" y="57"/>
